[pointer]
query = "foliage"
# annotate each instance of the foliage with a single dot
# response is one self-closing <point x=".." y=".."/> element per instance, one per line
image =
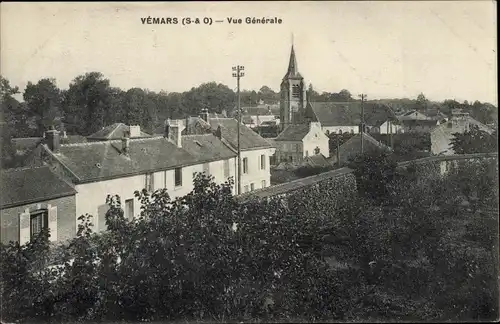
<point x="474" y="140"/>
<point x="375" y="171"/>
<point x="207" y="256"/>
<point x="43" y="101"/>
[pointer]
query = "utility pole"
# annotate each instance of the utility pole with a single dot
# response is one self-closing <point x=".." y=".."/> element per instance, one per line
<point x="237" y="73"/>
<point x="363" y="97"/>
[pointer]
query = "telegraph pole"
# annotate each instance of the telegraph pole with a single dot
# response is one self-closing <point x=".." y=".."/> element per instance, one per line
<point x="237" y="73"/>
<point x="363" y="97"/>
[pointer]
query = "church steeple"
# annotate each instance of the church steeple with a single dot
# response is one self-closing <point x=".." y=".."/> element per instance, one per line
<point x="293" y="94"/>
<point x="293" y="70"/>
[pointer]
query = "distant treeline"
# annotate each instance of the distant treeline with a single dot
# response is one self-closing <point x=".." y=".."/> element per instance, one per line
<point x="90" y="103"/>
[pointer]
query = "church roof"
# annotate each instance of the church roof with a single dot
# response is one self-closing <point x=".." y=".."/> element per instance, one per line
<point x="348" y="113"/>
<point x="293" y="70"/>
<point x="293" y="133"/>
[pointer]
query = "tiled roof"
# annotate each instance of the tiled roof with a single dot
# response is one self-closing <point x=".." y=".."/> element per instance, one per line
<point x="247" y="120"/>
<point x="334" y="113"/>
<point x="101" y="160"/>
<point x="257" y="111"/>
<point x="26" y="143"/>
<point x="30" y="185"/>
<point x="318" y="160"/>
<point x="206" y="147"/>
<point x="353" y="146"/>
<point x="293" y="133"/>
<point x="419" y="122"/>
<point x="349" y="113"/>
<point x="248" y="139"/>
<point x="73" y="139"/>
<point x="196" y="125"/>
<point x="115" y="131"/>
<point x="376" y="115"/>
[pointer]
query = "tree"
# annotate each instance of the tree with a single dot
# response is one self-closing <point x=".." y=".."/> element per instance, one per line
<point x="375" y="171"/>
<point x="86" y="103"/>
<point x="212" y="96"/>
<point x="139" y="109"/>
<point x="422" y="102"/>
<point x="43" y="101"/>
<point x="312" y="94"/>
<point x="474" y="141"/>
<point x="344" y="95"/>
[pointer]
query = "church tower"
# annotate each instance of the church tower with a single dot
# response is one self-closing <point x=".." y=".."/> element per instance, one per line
<point x="293" y="94"/>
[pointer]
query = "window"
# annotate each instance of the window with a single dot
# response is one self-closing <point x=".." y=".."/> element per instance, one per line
<point x="245" y="165"/>
<point x="252" y="187"/>
<point x="327" y="132"/>
<point x="129" y="209"/>
<point x="32" y="223"/>
<point x="263" y="162"/>
<point x="317" y="150"/>
<point x="307" y="153"/>
<point x="38" y="221"/>
<point x="149" y="182"/>
<point x="340" y="131"/>
<point x="206" y="168"/>
<point x="245" y="188"/>
<point x="226" y="169"/>
<point x="352" y="131"/>
<point x="178" y="177"/>
<point x="296" y="91"/>
<point x="164" y="179"/>
<point x="290" y="158"/>
<point x="263" y="183"/>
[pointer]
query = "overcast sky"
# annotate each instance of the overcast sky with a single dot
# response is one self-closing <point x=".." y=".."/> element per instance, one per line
<point x="384" y="49"/>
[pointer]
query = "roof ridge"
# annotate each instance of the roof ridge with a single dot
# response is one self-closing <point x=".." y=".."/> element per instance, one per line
<point x="23" y="168"/>
<point x="115" y="128"/>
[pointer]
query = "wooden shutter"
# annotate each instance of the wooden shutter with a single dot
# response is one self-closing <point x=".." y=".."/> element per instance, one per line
<point x="52" y="222"/>
<point x="24" y="227"/>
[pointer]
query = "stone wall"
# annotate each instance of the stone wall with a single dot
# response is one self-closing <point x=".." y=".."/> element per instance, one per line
<point x="343" y="182"/>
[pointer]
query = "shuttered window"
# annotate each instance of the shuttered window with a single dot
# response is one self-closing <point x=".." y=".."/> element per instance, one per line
<point x="31" y="223"/>
<point x="226" y="169"/>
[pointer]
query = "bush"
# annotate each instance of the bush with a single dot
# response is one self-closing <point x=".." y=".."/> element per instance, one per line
<point x="207" y="257"/>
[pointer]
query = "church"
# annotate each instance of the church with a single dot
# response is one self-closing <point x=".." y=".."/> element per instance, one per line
<point x="296" y="108"/>
<point x="301" y="136"/>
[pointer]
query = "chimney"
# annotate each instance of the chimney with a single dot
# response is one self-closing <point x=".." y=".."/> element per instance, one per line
<point x="218" y="132"/>
<point x="204" y="114"/>
<point x="53" y="139"/>
<point x="173" y="132"/>
<point x="135" y="131"/>
<point x="126" y="144"/>
<point x="187" y="126"/>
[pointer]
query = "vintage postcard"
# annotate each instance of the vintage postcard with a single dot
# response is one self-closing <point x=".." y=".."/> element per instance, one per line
<point x="246" y="162"/>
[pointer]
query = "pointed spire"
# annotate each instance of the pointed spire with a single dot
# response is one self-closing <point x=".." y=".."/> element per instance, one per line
<point x="292" y="65"/>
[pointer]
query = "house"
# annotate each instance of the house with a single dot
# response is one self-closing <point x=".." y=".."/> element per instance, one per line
<point x="442" y="135"/>
<point x="256" y="151"/>
<point x="121" y="166"/>
<point x="345" y="117"/>
<point x="413" y="115"/>
<point x="118" y="131"/>
<point x="255" y="116"/>
<point x="36" y="198"/>
<point x="352" y="147"/>
<point x="299" y="141"/>
<point x="419" y="125"/>
<point x="382" y="119"/>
